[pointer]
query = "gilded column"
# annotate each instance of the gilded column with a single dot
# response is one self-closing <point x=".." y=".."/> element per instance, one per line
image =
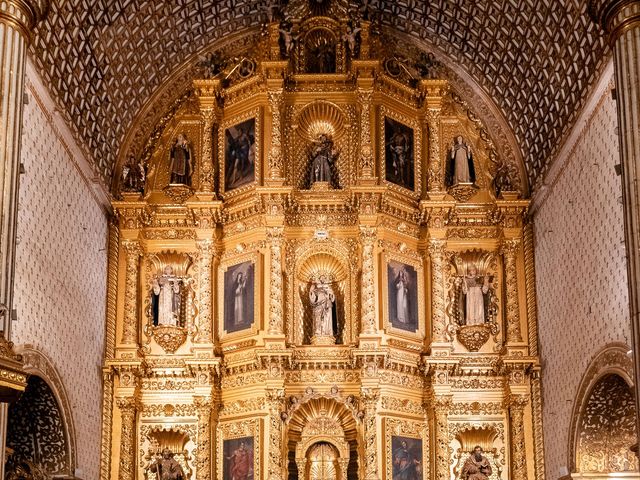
<point x="206" y="163"/>
<point x="203" y="452"/>
<point x="205" y="305"/>
<point x="436" y="252"/>
<point x="130" y="327"/>
<point x="276" y="100"/>
<point x="127" y="406"/>
<point x="517" y="403"/>
<point x="17" y="19"/>
<point x="368" y="237"/>
<point x="538" y="434"/>
<point x="365" y="96"/>
<point x="621" y="19"/>
<point x="435" y="170"/>
<point x="276" y="466"/>
<point x="441" y="406"/>
<point x="370" y="397"/>
<point x="107" y="422"/>
<point x="530" y="279"/>
<point x="274" y="235"/>
<point x="510" y="251"/>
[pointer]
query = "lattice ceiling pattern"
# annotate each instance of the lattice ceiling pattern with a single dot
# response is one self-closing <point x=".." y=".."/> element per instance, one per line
<point x="103" y="59"/>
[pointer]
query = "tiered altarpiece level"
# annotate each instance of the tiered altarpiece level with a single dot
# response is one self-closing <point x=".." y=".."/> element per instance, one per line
<point x="341" y="279"/>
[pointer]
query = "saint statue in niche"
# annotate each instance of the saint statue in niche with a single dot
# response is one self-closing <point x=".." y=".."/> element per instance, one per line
<point x="167" y="292"/>
<point x="477" y="466"/>
<point x="181" y="166"/>
<point x="475" y="289"/>
<point x="166" y="467"/>
<point x="460" y="167"/>
<point x="322" y="299"/>
<point x="322" y="155"/>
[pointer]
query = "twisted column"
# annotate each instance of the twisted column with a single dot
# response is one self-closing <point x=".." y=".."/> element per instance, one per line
<point x="274" y="235"/>
<point x="205" y="305"/>
<point x="517" y="403"/>
<point x="368" y="237"/>
<point x="436" y="252"/>
<point x="510" y="251"/>
<point x="621" y="19"/>
<point x="538" y="434"/>
<point x="203" y="452"/>
<point x="127" y="406"/>
<point x="130" y="326"/>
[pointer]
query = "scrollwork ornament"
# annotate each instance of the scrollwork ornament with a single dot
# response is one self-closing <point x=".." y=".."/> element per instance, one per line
<point x="366" y="154"/>
<point x="437" y="254"/>
<point x="205" y="307"/>
<point x="130" y="326"/>
<point x="203" y="453"/>
<point x="275" y="402"/>
<point x="368" y="236"/>
<point x="510" y="251"/>
<point x="206" y="168"/>
<point x="276" y="100"/>
<point x="435" y="166"/>
<point x="127" y="406"/>
<point x="276" y="291"/>
<point x="369" y="398"/>
<point x="517" y="404"/>
<point x="441" y="407"/>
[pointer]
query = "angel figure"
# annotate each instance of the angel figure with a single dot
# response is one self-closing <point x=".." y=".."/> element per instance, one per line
<point x="288" y="38"/>
<point x="351" y="37"/>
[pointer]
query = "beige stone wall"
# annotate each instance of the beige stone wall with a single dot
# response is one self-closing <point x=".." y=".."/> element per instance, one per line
<point x="581" y="271"/>
<point x="61" y="271"/>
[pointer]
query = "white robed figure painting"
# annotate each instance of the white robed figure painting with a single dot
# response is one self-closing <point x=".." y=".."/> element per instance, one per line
<point x="167" y="287"/>
<point x="402" y="297"/>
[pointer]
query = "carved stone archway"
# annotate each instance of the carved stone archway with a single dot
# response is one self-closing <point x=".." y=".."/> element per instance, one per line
<point x="603" y="419"/>
<point x="318" y="431"/>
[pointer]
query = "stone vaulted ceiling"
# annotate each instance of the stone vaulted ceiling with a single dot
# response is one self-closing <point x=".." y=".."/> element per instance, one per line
<point x="103" y="59"/>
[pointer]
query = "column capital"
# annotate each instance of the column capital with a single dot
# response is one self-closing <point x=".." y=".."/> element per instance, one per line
<point x="615" y="16"/>
<point x="23" y="14"/>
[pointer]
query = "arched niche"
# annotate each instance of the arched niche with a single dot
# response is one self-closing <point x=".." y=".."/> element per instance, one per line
<point x="40" y="426"/>
<point x="490" y="437"/>
<point x="176" y="438"/>
<point x="603" y="421"/>
<point x="317" y="420"/>
<point x="311" y="260"/>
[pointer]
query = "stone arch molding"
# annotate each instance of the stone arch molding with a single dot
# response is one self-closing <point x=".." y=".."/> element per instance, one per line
<point x="38" y="364"/>
<point x="610" y="365"/>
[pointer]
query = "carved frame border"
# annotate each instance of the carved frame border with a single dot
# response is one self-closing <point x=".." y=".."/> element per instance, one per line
<point x="254" y="257"/>
<point x="388" y="256"/>
<point x="254" y="113"/>
<point x="413" y="123"/>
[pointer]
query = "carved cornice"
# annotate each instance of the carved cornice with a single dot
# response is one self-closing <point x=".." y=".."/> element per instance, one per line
<point x="23" y="14"/>
<point x="615" y="16"/>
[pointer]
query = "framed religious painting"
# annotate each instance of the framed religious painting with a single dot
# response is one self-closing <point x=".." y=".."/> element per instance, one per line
<point x="238" y="296"/>
<point x="406" y="449"/>
<point x="404" y="296"/>
<point x="401" y="151"/>
<point x="240" y="159"/>
<point x="239" y="450"/>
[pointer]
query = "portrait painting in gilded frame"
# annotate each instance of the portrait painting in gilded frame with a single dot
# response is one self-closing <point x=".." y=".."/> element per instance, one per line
<point x="406" y="458"/>
<point x="238" y="459"/>
<point x="402" y="296"/>
<point x="240" y="154"/>
<point x="398" y="153"/>
<point x="239" y="290"/>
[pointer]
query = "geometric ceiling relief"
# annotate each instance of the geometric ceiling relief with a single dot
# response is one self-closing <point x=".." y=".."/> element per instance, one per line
<point x="104" y="59"/>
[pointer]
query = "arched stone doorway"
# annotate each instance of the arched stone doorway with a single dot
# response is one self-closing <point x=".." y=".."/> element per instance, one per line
<point x="603" y="423"/>
<point x="36" y="435"/>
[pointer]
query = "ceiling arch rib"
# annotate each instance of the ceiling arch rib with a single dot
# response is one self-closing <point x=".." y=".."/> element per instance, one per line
<point x="104" y="60"/>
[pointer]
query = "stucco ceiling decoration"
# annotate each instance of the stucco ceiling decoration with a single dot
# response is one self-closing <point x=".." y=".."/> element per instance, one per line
<point x="104" y="59"/>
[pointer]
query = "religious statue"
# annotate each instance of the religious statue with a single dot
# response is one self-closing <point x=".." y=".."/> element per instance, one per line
<point x="322" y="155"/>
<point x="350" y="37"/>
<point x="167" y="289"/>
<point x="288" y="40"/>
<point x="181" y="166"/>
<point x="322" y="301"/>
<point x="402" y="297"/>
<point x="502" y="180"/>
<point x="405" y="465"/>
<point x="399" y="146"/>
<point x="166" y="467"/>
<point x="474" y="288"/>
<point x="240" y="463"/>
<point x="477" y="466"/>
<point x="239" y="298"/>
<point x="134" y="175"/>
<point x="460" y="167"/>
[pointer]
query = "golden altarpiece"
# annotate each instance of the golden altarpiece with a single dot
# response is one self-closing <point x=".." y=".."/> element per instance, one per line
<point x="321" y="267"/>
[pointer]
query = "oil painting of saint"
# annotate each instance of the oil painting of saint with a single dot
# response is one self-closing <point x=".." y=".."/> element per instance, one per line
<point x="398" y="153"/>
<point x="402" y="288"/>
<point x="238" y="459"/>
<point x="406" y="458"/>
<point x="239" y="154"/>
<point x="238" y="297"/>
